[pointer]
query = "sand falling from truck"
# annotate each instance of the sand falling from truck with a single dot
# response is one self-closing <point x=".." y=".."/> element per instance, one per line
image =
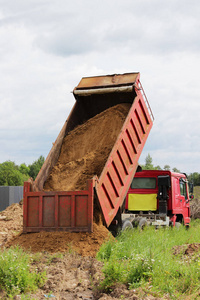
<point x="84" y="153"/>
<point x="85" y="150"/>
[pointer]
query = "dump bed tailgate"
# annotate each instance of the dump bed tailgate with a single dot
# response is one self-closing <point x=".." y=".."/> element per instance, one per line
<point x="63" y="211"/>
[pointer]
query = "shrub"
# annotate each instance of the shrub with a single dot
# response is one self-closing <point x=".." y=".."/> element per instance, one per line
<point x="15" y="275"/>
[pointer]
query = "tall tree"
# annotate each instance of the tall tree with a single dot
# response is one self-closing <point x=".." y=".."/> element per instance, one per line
<point x="24" y="169"/>
<point x="176" y="170"/>
<point x="195" y="178"/>
<point x="167" y="167"/>
<point x="36" y="166"/>
<point x="158" y="168"/>
<point x="148" y="163"/>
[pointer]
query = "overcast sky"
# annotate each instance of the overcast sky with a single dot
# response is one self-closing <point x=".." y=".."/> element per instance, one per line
<point x="47" y="46"/>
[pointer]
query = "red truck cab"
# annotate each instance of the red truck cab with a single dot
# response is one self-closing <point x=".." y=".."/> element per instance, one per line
<point x="162" y="197"/>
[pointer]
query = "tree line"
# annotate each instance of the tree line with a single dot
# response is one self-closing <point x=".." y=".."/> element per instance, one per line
<point x="12" y="174"/>
<point x="192" y="177"/>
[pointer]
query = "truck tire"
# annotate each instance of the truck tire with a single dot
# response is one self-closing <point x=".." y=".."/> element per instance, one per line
<point x="136" y="221"/>
<point x="142" y="223"/>
<point x="127" y="225"/>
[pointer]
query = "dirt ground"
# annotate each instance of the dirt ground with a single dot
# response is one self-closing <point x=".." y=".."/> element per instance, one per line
<point x="72" y="277"/>
<point x="187" y="249"/>
<point x="11" y="222"/>
<point x="85" y="150"/>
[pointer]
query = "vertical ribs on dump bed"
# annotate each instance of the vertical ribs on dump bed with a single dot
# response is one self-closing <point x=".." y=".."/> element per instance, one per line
<point x="63" y="211"/>
<point x="123" y="160"/>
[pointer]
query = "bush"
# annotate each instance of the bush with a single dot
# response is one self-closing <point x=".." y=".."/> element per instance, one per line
<point x="15" y="275"/>
<point x="10" y="174"/>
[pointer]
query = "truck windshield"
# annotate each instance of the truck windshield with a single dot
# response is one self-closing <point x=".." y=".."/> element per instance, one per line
<point x="143" y="183"/>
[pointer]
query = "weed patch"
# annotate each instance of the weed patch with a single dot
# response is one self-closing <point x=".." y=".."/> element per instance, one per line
<point x="15" y="276"/>
<point x="146" y="259"/>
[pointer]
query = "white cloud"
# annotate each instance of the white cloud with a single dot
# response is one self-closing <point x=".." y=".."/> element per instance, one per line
<point x="47" y="46"/>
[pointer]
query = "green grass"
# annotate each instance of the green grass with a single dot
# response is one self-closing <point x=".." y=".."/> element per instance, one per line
<point x="145" y="258"/>
<point x="15" y="275"/>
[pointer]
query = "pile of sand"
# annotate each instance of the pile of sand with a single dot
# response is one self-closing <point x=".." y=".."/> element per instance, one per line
<point x="85" y="244"/>
<point x="85" y="150"/>
<point x="11" y="222"/>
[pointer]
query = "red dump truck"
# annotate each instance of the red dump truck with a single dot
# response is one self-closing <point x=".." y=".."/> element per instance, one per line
<point x="74" y="210"/>
<point x="159" y="198"/>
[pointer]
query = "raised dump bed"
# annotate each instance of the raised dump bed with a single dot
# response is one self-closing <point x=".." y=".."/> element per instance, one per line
<point x="94" y="157"/>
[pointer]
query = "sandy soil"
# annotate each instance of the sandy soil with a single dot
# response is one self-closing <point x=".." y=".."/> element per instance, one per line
<point x="187" y="249"/>
<point x="11" y="222"/>
<point x="85" y="244"/>
<point x="85" y="150"/>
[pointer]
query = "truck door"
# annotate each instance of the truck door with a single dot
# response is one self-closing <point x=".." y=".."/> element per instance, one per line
<point x="181" y="198"/>
<point x="184" y="200"/>
<point x="180" y="193"/>
<point x="177" y="198"/>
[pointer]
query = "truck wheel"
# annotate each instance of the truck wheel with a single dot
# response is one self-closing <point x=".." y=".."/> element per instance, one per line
<point x="127" y="225"/>
<point x="136" y="221"/>
<point x="142" y="223"/>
